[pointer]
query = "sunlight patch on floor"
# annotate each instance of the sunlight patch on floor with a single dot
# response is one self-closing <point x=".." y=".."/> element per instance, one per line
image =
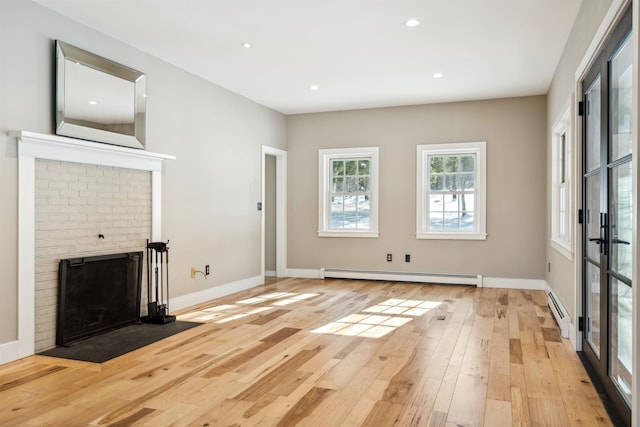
<point x="228" y="312"/>
<point x="387" y="317"/>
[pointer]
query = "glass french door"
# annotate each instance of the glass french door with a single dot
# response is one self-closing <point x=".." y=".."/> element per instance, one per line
<point x="607" y="217"/>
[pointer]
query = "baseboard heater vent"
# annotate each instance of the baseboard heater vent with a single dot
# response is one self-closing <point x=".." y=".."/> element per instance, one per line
<point x="560" y="313"/>
<point x="402" y="276"/>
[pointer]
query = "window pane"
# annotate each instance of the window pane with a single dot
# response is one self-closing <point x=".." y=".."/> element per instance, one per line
<point x="593" y="307"/>
<point x="338" y="167"/>
<point x="621" y="219"/>
<point x="436" y="182"/>
<point x="592" y="215"/>
<point x="337" y="206"/>
<point x="467" y="221"/>
<point x="363" y="184"/>
<point x="451" y="164"/>
<point x="436" y="221"/>
<point x="350" y="211"/>
<point x="468" y="163"/>
<point x="451" y="221"/>
<point x="435" y="163"/>
<point x="436" y="202"/>
<point x="352" y="184"/>
<point x="621" y="102"/>
<point x="363" y="167"/>
<point x="467" y="203"/>
<point x="621" y="337"/>
<point x="363" y="212"/>
<point x="467" y="181"/>
<point x="351" y="167"/>
<point x="338" y="185"/>
<point x="593" y="125"/>
<point x="451" y="182"/>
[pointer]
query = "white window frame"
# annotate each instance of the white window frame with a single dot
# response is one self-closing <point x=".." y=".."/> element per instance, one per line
<point x="479" y="149"/>
<point x="562" y="185"/>
<point x="325" y="156"/>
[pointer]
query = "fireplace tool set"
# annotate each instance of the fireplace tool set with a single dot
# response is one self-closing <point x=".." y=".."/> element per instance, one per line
<point x="157" y="290"/>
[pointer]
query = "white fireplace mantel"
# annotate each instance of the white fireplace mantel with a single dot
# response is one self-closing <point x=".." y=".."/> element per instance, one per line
<point x="32" y="146"/>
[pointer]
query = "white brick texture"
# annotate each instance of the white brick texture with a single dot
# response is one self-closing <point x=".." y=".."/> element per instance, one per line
<point x="74" y="204"/>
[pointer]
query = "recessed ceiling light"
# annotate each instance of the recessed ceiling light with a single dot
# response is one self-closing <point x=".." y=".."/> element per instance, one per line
<point x="93" y="102"/>
<point x="411" y="22"/>
<point x="247" y="45"/>
<point x="438" y="75"/>
<point x="314" y="87"/>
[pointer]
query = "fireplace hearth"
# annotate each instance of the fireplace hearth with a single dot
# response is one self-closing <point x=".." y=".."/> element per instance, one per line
<point x="97" y="294"/>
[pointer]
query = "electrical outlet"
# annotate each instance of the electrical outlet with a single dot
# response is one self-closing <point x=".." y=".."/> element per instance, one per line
<point x="193" y="272"/>
<point x="389" y="257"/>
<point x="206" y="270"/>
<point x="407" y="258"/>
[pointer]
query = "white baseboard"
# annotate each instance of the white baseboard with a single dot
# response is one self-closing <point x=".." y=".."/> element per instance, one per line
<point x="573" y="330"/>
<point x="513" y="283"/>
<point x="270" y="273"/>
<point x="487" y="282"/>
<point x="9" y="352"/>
<point x="195" y="298"/>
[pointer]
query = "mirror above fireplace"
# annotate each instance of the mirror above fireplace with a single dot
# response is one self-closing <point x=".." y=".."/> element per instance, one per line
<point x="98" y="99"/>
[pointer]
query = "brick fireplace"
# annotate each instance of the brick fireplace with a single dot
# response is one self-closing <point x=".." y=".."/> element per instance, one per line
<point x="54" y="169"/>
<point x="83" y="210"/>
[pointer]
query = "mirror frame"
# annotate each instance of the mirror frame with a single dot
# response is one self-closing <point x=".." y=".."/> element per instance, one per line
<point x="65" y="126"/>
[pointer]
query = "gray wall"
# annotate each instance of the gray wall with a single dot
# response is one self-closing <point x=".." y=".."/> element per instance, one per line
<point x="209" y="193"/>
<point x="561" y="278"/>
<point x="514" y="129"/>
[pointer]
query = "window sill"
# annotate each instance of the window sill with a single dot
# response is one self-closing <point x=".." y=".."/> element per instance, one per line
<point x="451" y="236"/>
<point x="563" y="249"/>
<point x="364" y="234"/>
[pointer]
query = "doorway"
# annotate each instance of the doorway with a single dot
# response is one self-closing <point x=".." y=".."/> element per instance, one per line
<point x="274" y="213"/>
<point x="607" y="92"/>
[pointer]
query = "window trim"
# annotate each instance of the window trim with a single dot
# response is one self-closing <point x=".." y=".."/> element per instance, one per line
<point x="455" y="148"/>
<point x="562" y="127"/>
<point x="325" y="156"/>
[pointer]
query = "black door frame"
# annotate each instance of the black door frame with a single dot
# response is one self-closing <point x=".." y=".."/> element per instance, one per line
<point x="601" y="67"/>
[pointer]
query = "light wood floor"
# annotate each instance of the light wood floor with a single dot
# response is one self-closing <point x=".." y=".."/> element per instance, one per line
<point x="327" y="353"/>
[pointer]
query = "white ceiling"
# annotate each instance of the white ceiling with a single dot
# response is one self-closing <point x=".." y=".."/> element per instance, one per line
<point x="359" y="52"/>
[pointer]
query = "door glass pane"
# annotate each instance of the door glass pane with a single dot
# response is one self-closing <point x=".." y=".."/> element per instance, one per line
<point x="621" y="335"/>
<point x="621" y="219"/>
<point x="592" y="216"/>
<point x="593" y="108"/>
<point x="593" y="307"/>
<point x="621" y="105"/>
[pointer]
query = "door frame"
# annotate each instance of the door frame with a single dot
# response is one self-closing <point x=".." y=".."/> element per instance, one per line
<point x="281" y="210"/>
<point x="614" y="13"/>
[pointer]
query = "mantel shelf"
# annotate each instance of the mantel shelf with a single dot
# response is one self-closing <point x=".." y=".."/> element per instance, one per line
<point x="53" y="147"/>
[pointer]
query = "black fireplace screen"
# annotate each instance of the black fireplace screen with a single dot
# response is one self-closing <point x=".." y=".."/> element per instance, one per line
<point x="97" y="294"/>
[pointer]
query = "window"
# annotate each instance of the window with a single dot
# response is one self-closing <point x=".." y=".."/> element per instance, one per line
<point x="348" y="205"/>
<point x="451" y="183"/>
<point x="561" y="159"/>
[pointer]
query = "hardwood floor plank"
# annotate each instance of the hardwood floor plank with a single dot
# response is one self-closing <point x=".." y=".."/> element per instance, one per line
<point x="275" y="377"/>
<point x="384" y="414"/>
<point x="304" y="406"/>
<point x="547" y="412"/>
<point x="498" y="413"/>
<point x="267" y="357"/>
<point x="519" y="408"/>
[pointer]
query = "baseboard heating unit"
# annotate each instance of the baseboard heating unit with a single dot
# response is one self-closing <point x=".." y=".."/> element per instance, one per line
<point x="560" y="313"/>
<point x="402" y="276"/>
